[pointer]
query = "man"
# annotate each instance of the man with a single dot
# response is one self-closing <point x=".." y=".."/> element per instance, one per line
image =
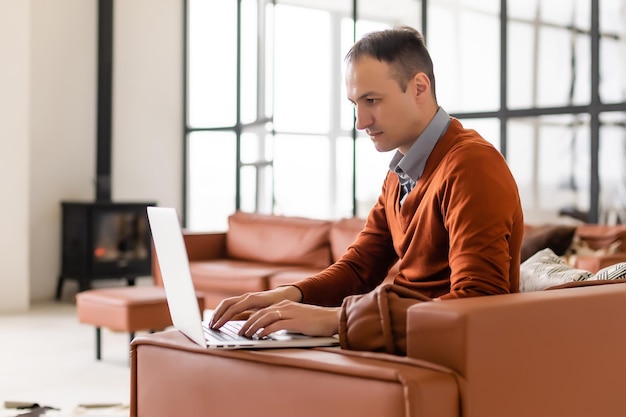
<point x="449" y="210"/>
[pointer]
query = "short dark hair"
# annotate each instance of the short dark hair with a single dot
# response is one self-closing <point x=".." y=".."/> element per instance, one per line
<point x="402" y="47"/>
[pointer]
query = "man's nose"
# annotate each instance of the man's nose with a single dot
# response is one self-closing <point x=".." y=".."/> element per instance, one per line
<point x="363" y="119"/>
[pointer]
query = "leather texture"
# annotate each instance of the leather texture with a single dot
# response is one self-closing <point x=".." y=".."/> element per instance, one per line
<point x="171" y="376"/>
<point x="278" y="239"/>
<point x="290" y="276"/>
<point x="343" y="233"/>
<point x="546" y="353"/>
<point x="126" y="309"/>
<point x="601" y="236"/>
<point x="596" y="263"/>
<point x="376" y="321"/>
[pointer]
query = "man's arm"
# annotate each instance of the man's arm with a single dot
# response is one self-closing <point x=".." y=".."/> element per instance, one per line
<point x="484" y="219"/>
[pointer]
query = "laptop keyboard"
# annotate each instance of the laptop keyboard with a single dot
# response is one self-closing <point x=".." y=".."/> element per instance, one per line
<point x="229" y="332"/>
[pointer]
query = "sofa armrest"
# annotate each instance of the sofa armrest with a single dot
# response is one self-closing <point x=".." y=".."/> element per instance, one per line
<point x="171" y="376"/>
<point x="599" y="236"/>
<point x="201" y="246"/>
<point x="557" y="352"/>
<point x="205" y="246"/>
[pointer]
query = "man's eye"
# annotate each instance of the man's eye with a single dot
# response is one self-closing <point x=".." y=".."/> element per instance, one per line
<point x="372" y="100"/>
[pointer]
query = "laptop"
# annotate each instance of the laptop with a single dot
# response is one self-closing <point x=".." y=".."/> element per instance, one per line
<point x="183" y="304"/>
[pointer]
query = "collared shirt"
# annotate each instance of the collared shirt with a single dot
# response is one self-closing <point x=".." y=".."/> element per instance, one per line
<point x="410" y="167"/>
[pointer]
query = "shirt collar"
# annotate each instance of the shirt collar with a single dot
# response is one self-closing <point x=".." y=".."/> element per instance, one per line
<point x="410" y="167"/>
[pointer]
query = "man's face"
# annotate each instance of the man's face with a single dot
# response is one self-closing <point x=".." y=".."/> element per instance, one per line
<point x="388" y="115"/>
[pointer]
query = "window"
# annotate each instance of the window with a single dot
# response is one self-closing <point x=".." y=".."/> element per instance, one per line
<point x="270" y="130"/>
<point x="268" y="127"/>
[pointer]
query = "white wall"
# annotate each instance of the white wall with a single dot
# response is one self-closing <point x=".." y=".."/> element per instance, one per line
<point x="63" y="115"/>
<point x="14" y="160"/>
<point x="47" y="144"/>
<point x="147" y="115"/>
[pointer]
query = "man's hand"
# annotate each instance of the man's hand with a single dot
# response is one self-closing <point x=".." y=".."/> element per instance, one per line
<point x="294" y="317"/>
<point x="231" y="307"/>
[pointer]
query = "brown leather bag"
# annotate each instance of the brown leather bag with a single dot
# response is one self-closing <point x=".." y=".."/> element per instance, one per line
<point x="376" y="321"/>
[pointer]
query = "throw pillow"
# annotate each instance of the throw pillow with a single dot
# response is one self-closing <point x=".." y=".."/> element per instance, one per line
<point x="611" y="272"/>
<point x="558" y="238"/>
<point x="545" y="269"/>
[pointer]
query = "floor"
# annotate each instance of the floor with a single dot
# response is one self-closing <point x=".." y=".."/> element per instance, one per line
<point x="47" y="357"/>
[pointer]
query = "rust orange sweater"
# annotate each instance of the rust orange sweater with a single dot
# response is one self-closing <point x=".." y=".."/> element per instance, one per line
<point x="458" y="233"/>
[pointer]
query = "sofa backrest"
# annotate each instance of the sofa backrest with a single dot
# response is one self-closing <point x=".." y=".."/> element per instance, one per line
<point x="278" y="239"/>
<point x="342" y="234"/>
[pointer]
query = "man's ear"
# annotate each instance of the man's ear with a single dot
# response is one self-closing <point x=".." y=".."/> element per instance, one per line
<point x="421" y="83"/>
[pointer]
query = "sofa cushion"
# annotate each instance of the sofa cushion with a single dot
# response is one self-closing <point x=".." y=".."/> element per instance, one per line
<point x="343" y="233"/>
<point x="545" y="269"/>
<point x="278" y="239"/>
<point x="291" y="275"/>
<point x="537" y="237"/>
<point x="232" y="276"/>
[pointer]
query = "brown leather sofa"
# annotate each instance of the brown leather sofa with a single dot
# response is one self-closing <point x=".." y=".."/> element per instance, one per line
<point x="549" y="353"/>
<point x="260" y="252"/>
